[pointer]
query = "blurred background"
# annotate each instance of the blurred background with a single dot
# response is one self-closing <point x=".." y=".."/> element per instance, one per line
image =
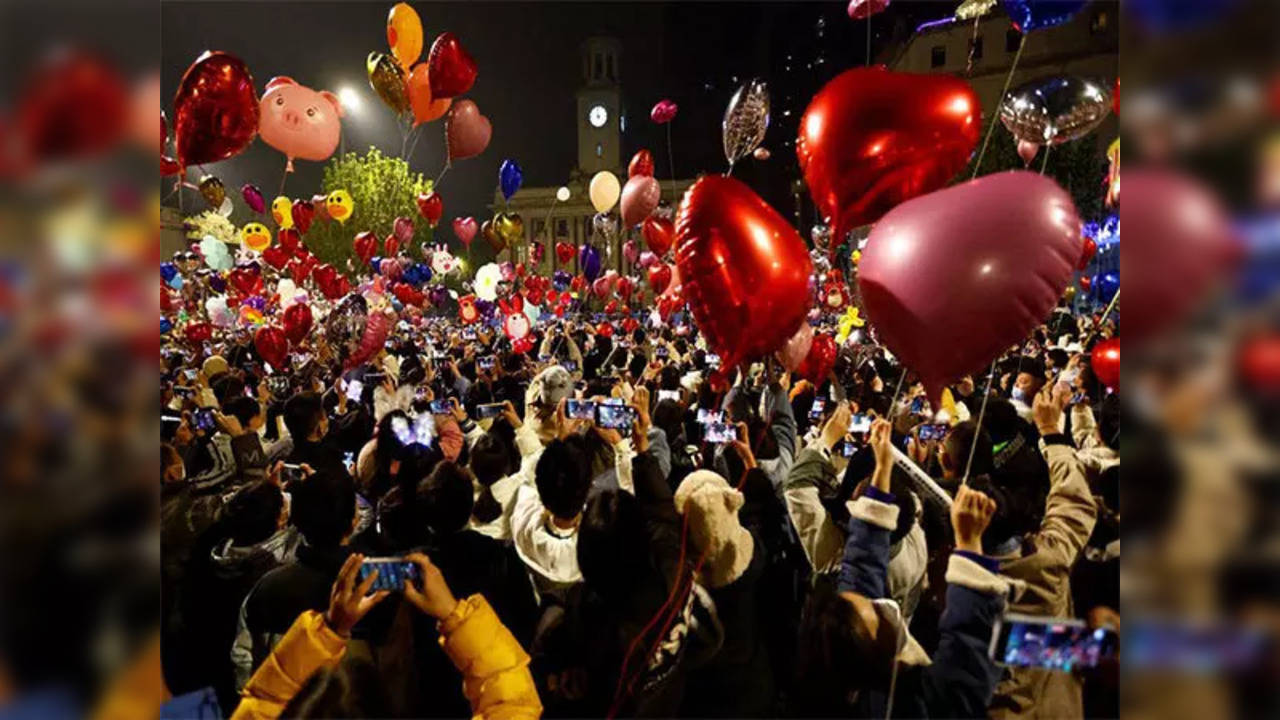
<point x="80" y="220"/>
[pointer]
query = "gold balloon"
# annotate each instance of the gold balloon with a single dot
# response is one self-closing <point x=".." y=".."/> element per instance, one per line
<point x="1070" y="293"/>
<point x="491" y="236"/>
<point x="386" y="77"/>
<point x="404" y="33"/>
<point x="255" y="236"/>
<point x="340" y="205"/>
<point x="970" y="9"/>
<point x="213" y="192"/>
<point x="510" y="227"/>
<point x="745" y="120"/>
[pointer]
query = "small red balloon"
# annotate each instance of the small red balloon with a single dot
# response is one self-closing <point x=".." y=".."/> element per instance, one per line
<point x="451" y="70"/>
<point x="247" y="279"/>
<point x="565" y="252"/>
<point x="659" y="233"/>
<point x="289" y="240"/>
<point x="431" y="207"/>
<point x="641" y="164"/>
<point x="604" y="329"/>
<point x="297" y="322"/>
<point x="391" y="246"/>
<point x="365" y="245"/>
<point x="820" y="360"/>
<point x="1105" y="361"/>
<point x="215" y="110"/>
<point x="272" y="346"/>
<point x="1259" y="363"/>
<point x="302" y="212"/>
<point x="198" y="331"/>
<point x="277" y="256"/>
<point x="659" y="277"/>
<point x="1085" y="283"/>
<point x="1088" y="249"/>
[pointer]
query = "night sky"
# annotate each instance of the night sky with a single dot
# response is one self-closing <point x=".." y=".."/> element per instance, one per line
<point x="529" y="69"/>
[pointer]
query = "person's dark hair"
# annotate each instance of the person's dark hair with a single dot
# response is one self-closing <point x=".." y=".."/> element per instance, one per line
<point x="669" y="378"/>
<point x="388" y="446"/>
<point x="353" y="688"/>
<point x="1008" y="520"/>
<point x="739" y="407"/>
<point x="490" y="462"/>
<point x="446" y="497"/>
<point x="668" y="416"/>
<point x="1059" y="357"/>
<point x="322" y="508"/>
<point x="1108" y="412"/>
<point x="1032" y="366"/>
<point x="168" y="456"/>
<point x="243" y="408"/>
<point x="563" y="477"/>
<point x="637" y="365"/>
<point x="905" y="500"/>
<point x="1002" y="421"/>
<point x="829" y="646"/>
<point x="253" y="514"/>
<point x="960" y="440"/>
<point x="225" y="386"/>
<point x="302" y="414"/>
<point x="612" y="548"/>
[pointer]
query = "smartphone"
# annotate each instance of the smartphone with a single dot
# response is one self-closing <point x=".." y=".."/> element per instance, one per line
<point x="290" y="472"/>
<point x="720" y="432"/>
<point x="1079" y="398"/>
<point x="190" y="373"/>
<point x="917" y="405"/>
<point x="349" y="459"/>
<point x="673" y="395"/>
<point x="278" y="386"/>
<point x="615" y="417"/>
<point x="580" y="409"/>
<point x="300" y="360"/>
<point x="544" y="358"/>
<point x="848" y="448"/>
<point x="353" y="390"/>
<point x="173" y="420"/>
<point x="1050" y="643"/>
<point x="485" y="363"/>
<point x="468" y="334"/>
<point x="204" y="420"/>
<point x="713" y="361"/>
<point x="706" y="417"/>
<point x="393" y="572"/>
<point x="442" y="407"/>
<point x="184" y="390"/>
<point x="932" y="431"/>
<point x="819" y="405"/>
<point x="569" y="365"/>
<point x="489" y="410"/>
<point x="661" y="351"/>
<point x="860" y="423"/>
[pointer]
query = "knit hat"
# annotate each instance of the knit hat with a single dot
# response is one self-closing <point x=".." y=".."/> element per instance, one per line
<point x="213" y="365"/>
<point x="551" y="385"/>
<point x="712" y="509"/>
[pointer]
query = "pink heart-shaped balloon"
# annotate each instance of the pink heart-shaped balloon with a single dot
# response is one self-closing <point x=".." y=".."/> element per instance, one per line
<point x="973" y="269"/>
<point x="631" y="251"/>
<point x="467" y="132"/>
<point x="465" y="228"/>
<point x="402" y="228"/>
<point x="648" y="259"/>
<point x="640" y="198"/>
<point x="663" y="112"/>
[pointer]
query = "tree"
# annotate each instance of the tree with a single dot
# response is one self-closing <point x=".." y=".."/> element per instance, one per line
<point x="382" y="188"/>
<point x="1080" y="167"/>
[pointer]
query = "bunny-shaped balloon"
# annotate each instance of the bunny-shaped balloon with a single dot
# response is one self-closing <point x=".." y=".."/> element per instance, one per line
<point x="515" y="323"/>
<point x="442" y="261"/>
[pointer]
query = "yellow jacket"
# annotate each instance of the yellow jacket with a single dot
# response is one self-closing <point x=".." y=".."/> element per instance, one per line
<point x="495" y="669"/>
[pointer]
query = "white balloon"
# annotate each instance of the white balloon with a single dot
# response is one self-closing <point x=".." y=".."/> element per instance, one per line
<point x="604" y="191"/>
<point x="562" y="194"/>
<point x="225" y="208"/>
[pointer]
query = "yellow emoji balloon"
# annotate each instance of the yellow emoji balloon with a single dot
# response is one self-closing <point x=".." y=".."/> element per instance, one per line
<point x="404" y="34"/>
<point x="340" y="205"/>
<point x="255" y="236"/>
<point x="282" y="211"/>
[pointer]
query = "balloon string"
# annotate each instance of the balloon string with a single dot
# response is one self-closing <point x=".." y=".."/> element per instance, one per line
<point x="977" y="164"/>
<point x="1045" y="163"/>
<point x="414" y="145"/>
<point x="982" y="412"/>
<point x="968" y="68"/>
<point x="893" y="406"/>
<point x="868" y="41"/>
<point x="448" y="164"/>
<point x="1105" y="313"/>
<point x="672" y="163"/>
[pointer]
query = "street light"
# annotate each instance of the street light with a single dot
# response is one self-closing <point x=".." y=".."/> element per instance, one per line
<point x="350" y="99"/>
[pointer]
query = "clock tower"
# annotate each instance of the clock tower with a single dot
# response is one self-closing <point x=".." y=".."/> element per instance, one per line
<point x="600" y="106"/>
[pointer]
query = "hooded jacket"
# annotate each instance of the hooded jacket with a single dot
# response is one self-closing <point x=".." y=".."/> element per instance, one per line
<point x="495" y="669"/>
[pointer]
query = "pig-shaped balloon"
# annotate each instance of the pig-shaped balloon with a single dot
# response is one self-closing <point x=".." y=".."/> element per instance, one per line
<point x="298" y="121"/>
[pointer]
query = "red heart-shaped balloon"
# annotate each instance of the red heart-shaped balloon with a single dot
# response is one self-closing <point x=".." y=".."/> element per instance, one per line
<point x="604" y="329"/>
<point x="659" y="234"/>
<point x="297" y="322"/>
<point x="1087" y="251"/>
<point x="973" y="269"/>
<point x="391" y="246"/>
<point x="451" y="71"/>
<point x="744" y="271"/>
<point x="641" y="164"/>
<point x="324" y="275"/>
<point x="872" y="138"/>
<point x="533" y="294"/>
<point x="277" y="256"/>
<point x="198" y="331"/>
<point x="302" y="213"/>
<point x="626" y="287"/>
<point x="578" y="284"/>
<point x="300" y="267"/>
<point x="271" y="345"/>
<point x="564" y="252"/>
<point x="820" y="360"/>
<point x="215" y="110"/>
<point x="289" y="239"/>
<point x="466" y="131"/>
<point x="611" y="307"/>
<point x="659" y="277"/>
<point x="629" y="324"/>
<point x="463" y="227"/>
<point x="1105" y="362"/>
<point x="366" y="245"/>
<point x="431" y="208"/>
<point x="1085" y="283"/>
<point x="247" y="279"/>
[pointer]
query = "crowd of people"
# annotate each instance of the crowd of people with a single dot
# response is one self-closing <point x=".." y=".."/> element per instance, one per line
<point x="612" y="524"/>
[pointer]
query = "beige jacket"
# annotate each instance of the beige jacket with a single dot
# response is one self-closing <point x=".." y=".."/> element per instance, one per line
<point x="1044" y="564"/>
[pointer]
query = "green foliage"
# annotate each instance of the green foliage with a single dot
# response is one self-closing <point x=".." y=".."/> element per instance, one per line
<point x="382" y="188"/>
<point x="1080" y="167"/>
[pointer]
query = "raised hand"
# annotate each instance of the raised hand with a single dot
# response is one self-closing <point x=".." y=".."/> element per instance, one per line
<point x="348" y="601"/>
<point x="971" y="513"/>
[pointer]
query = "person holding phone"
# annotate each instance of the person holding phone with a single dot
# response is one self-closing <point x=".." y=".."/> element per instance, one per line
<point x="307" y="661"/>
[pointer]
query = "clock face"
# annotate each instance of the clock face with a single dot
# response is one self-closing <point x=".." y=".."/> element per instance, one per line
<point x="598" y="115"/>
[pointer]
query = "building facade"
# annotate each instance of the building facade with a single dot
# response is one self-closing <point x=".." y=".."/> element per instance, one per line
<point x="600" y="122"/>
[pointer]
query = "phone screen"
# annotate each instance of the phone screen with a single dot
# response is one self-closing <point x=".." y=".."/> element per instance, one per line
<point x="354" y="390"/>
<point x="713" y="361"/>
<point x="660" y="351"/>
<point x="190" y="373"/>
<point x="719" y="432"/>
<point x="932" y="431"/>
<point x="393" y="572"/>
<point x="580" y="409"/>
<point x="1051" y="643"/>
<point x="859" y="423"/>
<point x="819" y="405"/>
<point x="485" y="363"/>
<point x="204" y="419"/>
<point x="706" y="416"/>
<point x="569" y="365"/>
<point x="489" y="410"/>
<point x="673" y="395"/>
<point x="615" y="417"/>
<point x="917" y="405"/>
<point x="848" y="448"/>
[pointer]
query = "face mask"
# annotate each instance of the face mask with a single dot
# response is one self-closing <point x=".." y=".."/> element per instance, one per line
<point x="1019" y="395"/>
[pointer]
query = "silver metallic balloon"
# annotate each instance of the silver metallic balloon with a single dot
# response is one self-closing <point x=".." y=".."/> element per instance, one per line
<point x="970" y="9"/>
<point x="1054" y="110"/>
<point x="821" y="235"/>
<point x="745" y="120"/>
<point x="606" y="226"/>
